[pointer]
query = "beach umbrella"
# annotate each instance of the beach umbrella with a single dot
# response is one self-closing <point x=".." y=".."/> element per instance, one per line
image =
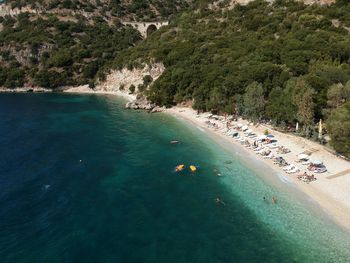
<point x="239" y="125"/>
<point x="297" y="127"/>
<point x="248" y="131"/>
<point x="245" y="127"/>
<point x="303" y="156"/>
<point x="316" y="162"/>
<point x="320" y="129"/>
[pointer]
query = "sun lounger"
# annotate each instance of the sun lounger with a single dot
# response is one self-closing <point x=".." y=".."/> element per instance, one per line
<point x="273" y="146"/>
<point x="294" y="170"/>
<point x="258" y="148"/>
<point x="270" y="156"/>
<point x="321" y="170"/>
<point x="288" y="167"/>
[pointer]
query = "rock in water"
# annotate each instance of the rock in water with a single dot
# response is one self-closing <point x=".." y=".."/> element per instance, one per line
<point x="143" y="104"/>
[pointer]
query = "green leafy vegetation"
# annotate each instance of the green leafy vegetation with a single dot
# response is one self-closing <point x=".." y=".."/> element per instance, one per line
<point x="52" y="53"/>
<point x="143" y="10"/>
<point x="268" y="62"/>
<point x="339" y="128"/>
<point x="281" y="62"/>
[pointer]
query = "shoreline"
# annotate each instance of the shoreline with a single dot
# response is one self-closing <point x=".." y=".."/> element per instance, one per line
<point x="332" y="195"/>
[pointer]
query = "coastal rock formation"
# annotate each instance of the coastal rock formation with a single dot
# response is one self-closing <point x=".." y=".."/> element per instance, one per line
<point x="123" y="79"/>
<point x="25" y="89"/>
<point x="141" y="103"/>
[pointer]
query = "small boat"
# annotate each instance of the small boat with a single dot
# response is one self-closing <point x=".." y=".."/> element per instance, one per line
<point x="179" y="168"/>
<point x="193" y="168"/>
<point x="174" y="142"/>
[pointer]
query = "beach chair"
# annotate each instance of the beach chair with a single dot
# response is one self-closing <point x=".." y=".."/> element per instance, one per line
<point x="288" y="167"/>
<point x="270" y="156"/>
<point x="273" y="146"/>
<point x="294" y="170"/>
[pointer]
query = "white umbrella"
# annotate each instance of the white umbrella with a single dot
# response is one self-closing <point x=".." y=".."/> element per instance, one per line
<point x="245" y="127"/>
<point x="303" y="156"/>
<point x="239" y="125"/>
<point x="316" y="162"/>
<point x="248" y="131"/>
<point x="320" y="130"/>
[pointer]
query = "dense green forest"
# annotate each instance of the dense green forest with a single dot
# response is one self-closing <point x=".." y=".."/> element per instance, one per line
<point x="69" y="47"/>
<point x="52" y="53"/>
<point x="283" y="62"/>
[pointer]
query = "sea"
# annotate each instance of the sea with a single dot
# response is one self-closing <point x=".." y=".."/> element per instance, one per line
<point x="84" y="180"/>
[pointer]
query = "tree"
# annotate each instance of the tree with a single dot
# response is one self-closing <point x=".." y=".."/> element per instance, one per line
<point x="338" y="94"/>
<point x="147" y="80"/>
<point x="303" y="96"/>
<point x="280" y="107"/>
<point x="132" y="89"/>
<point x="15" y="77"/>
<point x="61" y="59"/>
<point x="90" y="70"/>
<point x="338" y="125"/>
<point x="253" y="101"/>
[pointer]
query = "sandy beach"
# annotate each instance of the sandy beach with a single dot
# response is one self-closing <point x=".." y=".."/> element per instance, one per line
<point x="85" y="89"/>
<point x="330" y="191"/>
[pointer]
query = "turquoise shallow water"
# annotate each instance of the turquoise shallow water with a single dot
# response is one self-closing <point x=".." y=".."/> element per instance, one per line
<point x="123" y="202"/>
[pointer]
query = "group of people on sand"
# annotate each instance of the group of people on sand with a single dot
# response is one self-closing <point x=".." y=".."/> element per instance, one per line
<point x="307" y="178"/>
<point x="262" y="145"/>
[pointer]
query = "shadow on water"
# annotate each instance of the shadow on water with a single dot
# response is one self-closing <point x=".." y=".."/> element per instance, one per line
<point x="86" y="181"/>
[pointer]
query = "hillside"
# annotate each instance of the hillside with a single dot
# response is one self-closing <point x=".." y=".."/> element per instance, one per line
<point x="140" y="10"/>
<point x="52" y="43"/>
<point x="283" y="62"/>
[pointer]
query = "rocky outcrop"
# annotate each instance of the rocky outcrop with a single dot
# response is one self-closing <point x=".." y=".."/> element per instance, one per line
<point x="122" y="79"/>
<point x="220" y="4"/>
<point x="25" y="89"/>
<point x="141" y="103"/>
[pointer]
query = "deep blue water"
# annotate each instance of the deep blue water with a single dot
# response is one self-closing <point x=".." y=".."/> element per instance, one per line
<point x="83" y="180"/>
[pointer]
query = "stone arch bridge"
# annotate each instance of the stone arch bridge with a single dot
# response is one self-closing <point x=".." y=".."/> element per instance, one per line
<point x="146" y="28"/>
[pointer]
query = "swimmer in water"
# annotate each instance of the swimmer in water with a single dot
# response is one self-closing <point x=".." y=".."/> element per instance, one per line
<point x="219" y="201"/>
<point x="274" y="200"/>
<point x="217" y="172"/>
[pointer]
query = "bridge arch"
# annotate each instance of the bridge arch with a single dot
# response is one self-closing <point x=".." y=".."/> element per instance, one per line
<point x="151" y="28"/>
<point x="146" y="28"/>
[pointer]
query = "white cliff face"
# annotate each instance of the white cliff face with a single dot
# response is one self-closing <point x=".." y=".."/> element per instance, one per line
<point x="122" y="79"/>
<point x="216" y="5"/>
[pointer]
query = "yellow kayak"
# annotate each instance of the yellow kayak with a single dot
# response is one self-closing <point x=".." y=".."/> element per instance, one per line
<point x="179" y="168"/>
<point x="193" y="168"/>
